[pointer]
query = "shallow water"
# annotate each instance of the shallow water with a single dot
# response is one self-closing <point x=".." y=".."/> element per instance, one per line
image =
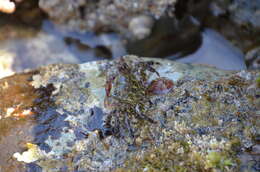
<point x="88" y="46"/>
<point x="47" y="44"/>
<point x="216" y="51"/>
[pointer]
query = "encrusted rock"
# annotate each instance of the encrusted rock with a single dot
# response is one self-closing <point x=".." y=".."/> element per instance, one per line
<point x="136" y="114"/>
<point x="104" y="15"/>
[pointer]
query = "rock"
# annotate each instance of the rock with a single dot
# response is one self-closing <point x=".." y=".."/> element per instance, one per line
<point x="238" y="21"/>
<point x="245" y="12"/>
<point x="103" y="15"/>
<point x="253" y="58"/>
<point x="132" y="113"/>
<point x="141" y="26"/>
<point x="242" y="12"/>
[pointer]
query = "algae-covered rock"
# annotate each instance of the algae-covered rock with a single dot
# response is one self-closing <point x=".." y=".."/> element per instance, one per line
<point x="135" y="114"/>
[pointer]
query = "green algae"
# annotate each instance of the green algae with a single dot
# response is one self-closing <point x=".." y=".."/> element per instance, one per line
<point x="178" y="156"/>
<point x="218" y="160"/>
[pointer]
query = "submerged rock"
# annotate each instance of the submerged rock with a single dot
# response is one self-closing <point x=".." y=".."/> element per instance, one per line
<point x="137" y="114"/>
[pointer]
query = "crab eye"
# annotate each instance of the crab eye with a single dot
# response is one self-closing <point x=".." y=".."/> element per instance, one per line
<point x="160" y="86"/>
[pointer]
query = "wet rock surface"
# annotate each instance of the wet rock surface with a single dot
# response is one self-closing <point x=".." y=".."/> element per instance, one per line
<point x="137" y="114"/>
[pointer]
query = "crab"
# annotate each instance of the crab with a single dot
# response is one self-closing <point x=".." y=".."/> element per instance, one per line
<point x="127" y="95"/>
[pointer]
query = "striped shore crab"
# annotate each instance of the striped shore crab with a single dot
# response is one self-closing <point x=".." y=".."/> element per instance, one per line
<point x="127" y="97"/>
